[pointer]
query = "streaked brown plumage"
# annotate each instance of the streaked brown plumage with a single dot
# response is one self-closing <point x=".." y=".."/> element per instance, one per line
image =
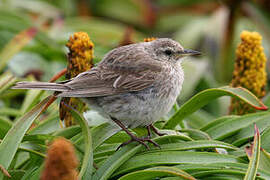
<point x="134" y="85"/>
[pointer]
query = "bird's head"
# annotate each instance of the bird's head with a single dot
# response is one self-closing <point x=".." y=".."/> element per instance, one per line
<point x="166" y="49"/>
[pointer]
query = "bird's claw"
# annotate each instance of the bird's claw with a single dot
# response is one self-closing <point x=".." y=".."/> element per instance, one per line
<point x="141" y="141"/>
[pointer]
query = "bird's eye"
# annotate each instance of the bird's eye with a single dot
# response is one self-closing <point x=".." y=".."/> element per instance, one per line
<point x="168" y="52"/>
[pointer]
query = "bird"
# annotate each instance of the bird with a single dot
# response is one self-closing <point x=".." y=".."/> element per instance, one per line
<point x="133" y="85"/>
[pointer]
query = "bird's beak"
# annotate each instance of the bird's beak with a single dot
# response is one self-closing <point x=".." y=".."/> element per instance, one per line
<point x="189" y="52"/>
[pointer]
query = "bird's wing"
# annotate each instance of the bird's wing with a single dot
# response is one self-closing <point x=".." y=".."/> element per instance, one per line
<point x="117" y="73"/>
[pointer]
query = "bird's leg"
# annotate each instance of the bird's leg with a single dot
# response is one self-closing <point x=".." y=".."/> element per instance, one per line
<point x="155" y="130"/>
<point x="148" y="138"/>
<point x="133" y="137"/>
<point x="148" y="131"/>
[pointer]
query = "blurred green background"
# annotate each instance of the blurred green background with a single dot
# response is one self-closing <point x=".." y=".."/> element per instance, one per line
<point x="212" y="27"/>
<point x="33" y="34"/>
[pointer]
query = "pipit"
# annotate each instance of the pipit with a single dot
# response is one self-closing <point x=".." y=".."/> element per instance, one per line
<point x="134" y="85"/>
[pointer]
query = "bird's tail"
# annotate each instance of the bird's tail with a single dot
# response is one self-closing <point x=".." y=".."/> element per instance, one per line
<point x="41" y="85"/>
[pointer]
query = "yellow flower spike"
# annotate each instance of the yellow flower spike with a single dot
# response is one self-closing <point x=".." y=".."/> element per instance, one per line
<point x="80" y="59"/>
<point x="249" y="70"/>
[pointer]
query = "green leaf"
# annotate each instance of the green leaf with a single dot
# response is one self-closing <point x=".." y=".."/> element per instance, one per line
<point x="87" y="163"/>
<point x="125" y="153"/>
<point x="264" y="160"/>
<point x="157" y="172"/>
<point x="116" y="160"/>
<point x="48" y="125"/>
<point x="4" y="127"/>
<point x="102" y="133"/>
<point x="68" y="132"/>
<point x="265" y="139"/>
<point x="199" y="144"/>
<point x="38" y="138"/>
<point x="199" y="119"/>
<point x="230" y="127"/>
<point x="12" y="140"/>
<point x="36" y="149"/>
<point x="247" y="133"/>
<point x="173" y="158"/>
<point x="15" y="175"/>
<point x="194" y="168"/>
<point x="105" y="150"/>
<point x="204" y="97"/>
<point x="255" y="157"/>
<point x="196" y="134"/>
<point x="6" y="81"/>
<point x="217" y="121"/>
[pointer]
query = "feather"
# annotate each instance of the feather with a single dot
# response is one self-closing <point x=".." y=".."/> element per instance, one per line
<point x="41" y="85"/>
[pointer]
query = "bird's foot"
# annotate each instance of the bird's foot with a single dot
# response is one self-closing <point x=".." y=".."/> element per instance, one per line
<point x="141" y="141"/>
<point x="135" y="138"/>
<point x="155" y="130"/>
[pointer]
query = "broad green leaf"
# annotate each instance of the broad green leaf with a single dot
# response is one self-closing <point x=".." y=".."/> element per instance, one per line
<point x="264" y="163"/>
<point x="229" y="174"/>
<point x="105" y="150"/>
<point x="255" y="157"/>
<point x="173" y="158"/>
<point x="119" y="137"/>
<point x="247" y="133"/>
<point x="217" y="121"/>
<point x="204" y="97"/>
<point x="199" y="119"/>
<point x="193" y="168"/>
<point x="38" y="138"/>
<point x="157" y="172"/>
<point x="6" y="81"/>
<point x="37" y="149"/>
<point x="108" y="149"/>
<point x="125" y="153"/>
<point x="87" y="163"/>
<point x="116" y="160"/>
<point x="265" y="139"/>
<point x="199" y="144"/>
<point x="29" y="173"/>
<point x="102" y="133"/>
<point x="68" y="132"/>
<point x="12" y="140"/>
<point x="4" y="127"/>
<point x="196" y="134"/>
<point x="15" y="175"/>
<point x="230" y="127"/>
<point x="48" y="125"/>
<point x="172" y="178"/>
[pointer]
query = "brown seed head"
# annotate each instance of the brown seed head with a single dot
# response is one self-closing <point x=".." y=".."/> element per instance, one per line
<point x="61" y="161"/>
